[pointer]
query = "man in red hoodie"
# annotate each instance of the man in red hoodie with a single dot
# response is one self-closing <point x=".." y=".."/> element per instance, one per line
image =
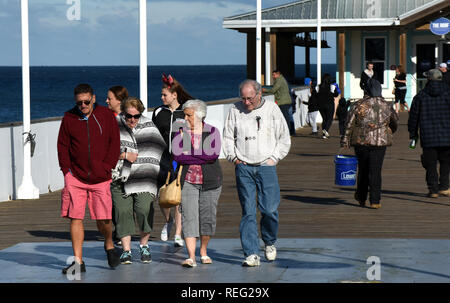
<point x="88" y="148"/>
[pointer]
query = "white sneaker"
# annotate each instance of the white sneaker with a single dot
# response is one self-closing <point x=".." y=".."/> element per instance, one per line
<point x="271" y="252"/>
<point x="178" y="241"/>
<point x="165" y="232"/>
<point x="252" y="260"/>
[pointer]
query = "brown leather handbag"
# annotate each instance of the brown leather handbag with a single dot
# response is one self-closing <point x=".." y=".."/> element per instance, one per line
<point x="170" y="193"/>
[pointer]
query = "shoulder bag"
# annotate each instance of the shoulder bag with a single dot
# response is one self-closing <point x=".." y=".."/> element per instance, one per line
<point x="170" y="193"/>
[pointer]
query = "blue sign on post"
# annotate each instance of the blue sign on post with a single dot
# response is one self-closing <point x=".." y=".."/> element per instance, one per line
<point x="440" y="26"/>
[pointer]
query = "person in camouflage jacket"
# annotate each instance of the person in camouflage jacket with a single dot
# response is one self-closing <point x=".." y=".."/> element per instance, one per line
<point x="371" y="121"/>
<point x="370" y="125"/>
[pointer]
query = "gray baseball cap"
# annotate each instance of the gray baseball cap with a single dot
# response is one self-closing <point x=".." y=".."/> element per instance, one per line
<point x="433" y="74"/>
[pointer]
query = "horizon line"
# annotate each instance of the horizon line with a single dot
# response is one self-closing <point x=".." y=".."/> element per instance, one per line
<point x="127" y="65"/>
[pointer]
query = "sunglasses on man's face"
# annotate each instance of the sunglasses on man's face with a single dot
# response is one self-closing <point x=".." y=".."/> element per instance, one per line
<point x="129" y="116"/>
<point x="86" y="102"/>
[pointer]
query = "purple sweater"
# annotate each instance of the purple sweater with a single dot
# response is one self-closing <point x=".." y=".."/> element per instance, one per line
<point x="208" y="152"/>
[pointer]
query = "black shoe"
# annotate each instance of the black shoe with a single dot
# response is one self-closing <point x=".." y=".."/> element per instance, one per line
<point x="73" y="267"/>
<point x="361" y="202"/>
<point x="113" y="257"/>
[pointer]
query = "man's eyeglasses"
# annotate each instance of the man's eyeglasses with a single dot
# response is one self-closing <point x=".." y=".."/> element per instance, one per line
<point x="248" y="98"/>
<point x="86" y="102"/>
<point x="129" y="116"/>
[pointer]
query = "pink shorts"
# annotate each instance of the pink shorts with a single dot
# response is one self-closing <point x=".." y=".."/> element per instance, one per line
<point x="75" y="194"/>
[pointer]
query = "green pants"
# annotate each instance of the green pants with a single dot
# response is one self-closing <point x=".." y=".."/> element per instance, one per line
<point x="135" y="210"/>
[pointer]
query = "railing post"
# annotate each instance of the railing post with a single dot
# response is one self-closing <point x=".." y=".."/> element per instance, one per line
<point x="319" y="41"/>
<point x="26" y="190"/>
<point x="143" y="54"/>
<point x="258" y="41"/>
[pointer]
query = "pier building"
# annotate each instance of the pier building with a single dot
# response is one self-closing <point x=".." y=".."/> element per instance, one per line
<point x="386" y="32"/>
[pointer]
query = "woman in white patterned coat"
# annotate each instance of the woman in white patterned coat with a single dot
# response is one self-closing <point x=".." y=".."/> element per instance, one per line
<point x="134" y="184"/>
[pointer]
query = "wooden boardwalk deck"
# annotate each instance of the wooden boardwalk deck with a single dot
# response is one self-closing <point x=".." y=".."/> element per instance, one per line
<point x="312" y="206"/>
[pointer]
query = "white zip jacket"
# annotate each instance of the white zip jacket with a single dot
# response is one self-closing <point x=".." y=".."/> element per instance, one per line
<point x="243" y="140"/>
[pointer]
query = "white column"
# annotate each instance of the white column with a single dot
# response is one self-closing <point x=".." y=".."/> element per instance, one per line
<point x="268" y="74"/>
<point x="26" y="190"/>
<point x="319" y="41"/>
<point x="143" y="53"/>
<point x="258" y="40"/>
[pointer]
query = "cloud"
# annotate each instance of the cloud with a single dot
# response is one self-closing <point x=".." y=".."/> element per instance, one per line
<point x="203" y="42"/>
<point x="55" y="15"/>
<point x="162" y="12"/>
<point x="179" y="32"/>
<point x="51" y="14"/>
<point x="90" y="13"/>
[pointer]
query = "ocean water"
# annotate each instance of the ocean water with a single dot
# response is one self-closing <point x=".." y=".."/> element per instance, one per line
<point x="52" y="87"/>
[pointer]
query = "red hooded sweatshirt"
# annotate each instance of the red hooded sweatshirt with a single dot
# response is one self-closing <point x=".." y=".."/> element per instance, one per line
<point x="89" y="147"/>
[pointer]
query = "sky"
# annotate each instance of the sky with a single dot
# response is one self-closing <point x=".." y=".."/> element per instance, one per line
<point x="99" y="32"/>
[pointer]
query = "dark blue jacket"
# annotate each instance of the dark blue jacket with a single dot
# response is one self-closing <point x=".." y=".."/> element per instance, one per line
<point x="430" y="115"/>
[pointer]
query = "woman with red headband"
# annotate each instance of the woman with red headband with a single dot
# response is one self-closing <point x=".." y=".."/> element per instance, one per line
<point x="166" y="117"/>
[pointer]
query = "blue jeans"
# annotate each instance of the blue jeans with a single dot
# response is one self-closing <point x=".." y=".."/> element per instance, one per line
<point x="286" y="110"/>
<point x="261" y="181"/>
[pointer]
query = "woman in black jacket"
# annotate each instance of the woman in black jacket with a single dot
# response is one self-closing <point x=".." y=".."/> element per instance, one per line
<point x="400" y="88"/>
<point x="168" y="118"/>
<point x="326" y="94"/>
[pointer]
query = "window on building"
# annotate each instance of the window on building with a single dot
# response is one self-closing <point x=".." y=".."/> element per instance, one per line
<point x="375" y="51"/>
<point x="426" y="59"/>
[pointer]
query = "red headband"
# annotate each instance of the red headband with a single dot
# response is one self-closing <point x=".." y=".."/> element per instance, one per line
<point x="168" y="80"/>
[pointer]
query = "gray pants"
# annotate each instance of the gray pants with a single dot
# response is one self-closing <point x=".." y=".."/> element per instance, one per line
<point x="198" y="210"/>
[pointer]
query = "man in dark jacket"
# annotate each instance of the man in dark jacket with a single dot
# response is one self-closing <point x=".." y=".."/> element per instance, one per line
<point x="88" y="149"/>
<point x="430" y="115"/>
<point x="367" y="74"/>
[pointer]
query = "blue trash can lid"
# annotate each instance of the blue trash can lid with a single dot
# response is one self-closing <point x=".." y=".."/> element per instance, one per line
<point x="345" y="159"/>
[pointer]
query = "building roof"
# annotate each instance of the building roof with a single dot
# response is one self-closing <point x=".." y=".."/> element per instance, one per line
<point x="340" y="13"/>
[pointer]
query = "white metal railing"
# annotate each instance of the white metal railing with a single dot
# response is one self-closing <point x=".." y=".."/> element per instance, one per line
<point x="45" y="169"/>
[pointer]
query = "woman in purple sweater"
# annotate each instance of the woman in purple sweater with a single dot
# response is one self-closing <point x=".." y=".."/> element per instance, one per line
<point x="197" y="147"/>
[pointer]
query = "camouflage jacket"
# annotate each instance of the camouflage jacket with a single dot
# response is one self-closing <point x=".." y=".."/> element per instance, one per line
<point x="371" y="121"/>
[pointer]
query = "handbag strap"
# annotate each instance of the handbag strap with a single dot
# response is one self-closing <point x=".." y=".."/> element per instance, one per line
<point x="178" y="176"/>
<point x="168" y="178"/>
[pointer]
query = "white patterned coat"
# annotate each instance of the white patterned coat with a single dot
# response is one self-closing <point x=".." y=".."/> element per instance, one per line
<point x="145" y="140"/>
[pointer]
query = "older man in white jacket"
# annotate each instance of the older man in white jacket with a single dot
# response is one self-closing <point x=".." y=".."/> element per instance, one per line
<point x="256" y="138"/>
